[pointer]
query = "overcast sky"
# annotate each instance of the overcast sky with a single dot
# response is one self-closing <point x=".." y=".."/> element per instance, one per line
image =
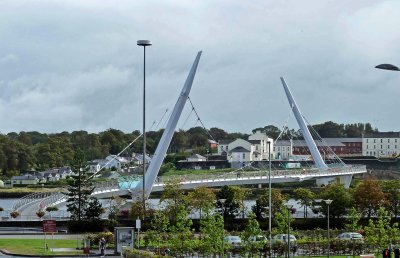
<point x="74" y="65"/>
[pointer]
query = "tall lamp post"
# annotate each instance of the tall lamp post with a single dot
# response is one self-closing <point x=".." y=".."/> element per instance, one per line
<point x="144" y="44"/>
<point x="328" y="202"/>
<point x="289" y="208"/>
<point x="269" y="199"/>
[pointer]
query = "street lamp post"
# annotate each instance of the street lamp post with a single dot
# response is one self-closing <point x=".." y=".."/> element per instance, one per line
<point x="269" y="199"/>
<point x="328" y="202"/>
<point x="289" y="209"/>
<point x="144" y="44"/>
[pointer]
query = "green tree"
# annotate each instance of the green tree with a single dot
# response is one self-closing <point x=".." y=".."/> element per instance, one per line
<point x="201" y="198"/>
<point x="380" y="233"/>
<point x="226" y="202"/>
<point x="80" y="188"/>
<point x="93" y="209"/>
<point x="251" y="230"/>
<point x="391" y="190"/>
<point x="352" y="221"/>
<point x="114" y="205"/>
<point x="306" y="198"/>
<point x="261" y="208"/>
<point x="212" y="230"/>
<point x="159" y="227"/>
<point x="341" y="200"/>
<point x="240" y="194"/>
<point x="181" y="232"/>
<point x="281" y="221"/>
<point x="174" y="197"/>
<point x="271" y="130"/>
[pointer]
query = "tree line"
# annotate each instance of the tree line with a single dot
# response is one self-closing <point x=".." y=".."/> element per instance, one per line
<point x="26" y="151"/>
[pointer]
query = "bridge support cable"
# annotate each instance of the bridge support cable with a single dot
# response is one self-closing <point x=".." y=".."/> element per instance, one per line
<point x="162" y="118"/>
<point x="199" y="120"/>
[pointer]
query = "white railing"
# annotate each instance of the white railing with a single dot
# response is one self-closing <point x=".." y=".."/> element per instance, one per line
<point x="26" y="200"/>
<point x="240" y="175"/>
<point x="51" y="199"/>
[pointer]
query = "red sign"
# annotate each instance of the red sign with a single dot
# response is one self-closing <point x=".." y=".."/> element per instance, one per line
<point x="49" y="226"/>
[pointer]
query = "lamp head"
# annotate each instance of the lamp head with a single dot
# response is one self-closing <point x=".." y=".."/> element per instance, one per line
<point x="388" y="67"/>
<point x="328" y="201"/>
<point x="144" y="43"/>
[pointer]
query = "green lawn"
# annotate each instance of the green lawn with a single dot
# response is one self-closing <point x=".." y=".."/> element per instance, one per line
<point x="36" y="246"/>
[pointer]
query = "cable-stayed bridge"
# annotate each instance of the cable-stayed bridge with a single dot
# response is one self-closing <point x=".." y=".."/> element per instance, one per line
<point x="321" y="172"/>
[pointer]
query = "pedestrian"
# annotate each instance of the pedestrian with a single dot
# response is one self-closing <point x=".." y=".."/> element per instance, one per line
<point x="102" y="246"/>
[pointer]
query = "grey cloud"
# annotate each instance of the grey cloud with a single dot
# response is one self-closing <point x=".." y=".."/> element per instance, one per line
<point x="75" y="65"/>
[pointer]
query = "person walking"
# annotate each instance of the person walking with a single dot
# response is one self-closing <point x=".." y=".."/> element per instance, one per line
<point x="102" y="246"/>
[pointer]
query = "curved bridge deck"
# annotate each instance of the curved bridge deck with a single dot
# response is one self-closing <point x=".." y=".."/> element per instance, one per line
<point x="28" y="206"/>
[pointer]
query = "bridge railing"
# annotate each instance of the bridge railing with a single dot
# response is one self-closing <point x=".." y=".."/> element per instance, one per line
<point x="30" y="198"/>
<point x="262" y="173"/>
<point x="57" y="198"/>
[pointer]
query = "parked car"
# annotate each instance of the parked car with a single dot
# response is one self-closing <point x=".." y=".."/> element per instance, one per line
<point x="283" y="238"/>
<point x="350" y="236"/>
<point x="258" y="239"/>
<point x="233" y="241"/>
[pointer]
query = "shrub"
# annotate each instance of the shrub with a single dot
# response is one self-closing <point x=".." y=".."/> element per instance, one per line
<point x="95" y="238"/>
<point x="40" y="213"/>
<point x="14" y="214"/>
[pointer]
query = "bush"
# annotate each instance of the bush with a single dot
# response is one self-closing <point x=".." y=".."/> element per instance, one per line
<point x="95" y="239"/>
<point x="14" y="214"/>
<point x="140" y="253"/>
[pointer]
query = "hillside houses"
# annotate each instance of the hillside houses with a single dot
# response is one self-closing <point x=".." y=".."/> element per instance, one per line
<point x="35" y="177"/>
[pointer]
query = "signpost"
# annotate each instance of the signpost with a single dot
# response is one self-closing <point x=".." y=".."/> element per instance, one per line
<point x="49" y="226"/>
<point x="138" y="226"/>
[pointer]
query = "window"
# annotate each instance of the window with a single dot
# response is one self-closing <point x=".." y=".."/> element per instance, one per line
<point x="381" y="140"/>
<point x="367" y="147"/>
<point x="256" y="155"/>
<point x="226" y="148"/>
<point x="374" y="140"/>
<point x="388" y="146"/>
<point x="367" y="140"/>
<point x="381" y="147"/>
<point x="244" y="155"/>
<point x="388" y="140"/>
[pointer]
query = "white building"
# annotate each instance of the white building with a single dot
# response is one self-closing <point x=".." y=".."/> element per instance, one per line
<point x="283" y="149"/>
<point x="260" y="141"/>
<point x="241" y="152"/>
<point x="196" y="158"/>
<point x="384" y="144"/>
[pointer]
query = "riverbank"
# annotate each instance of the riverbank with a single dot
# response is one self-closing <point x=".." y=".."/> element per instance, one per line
<point x="23" y="191"/>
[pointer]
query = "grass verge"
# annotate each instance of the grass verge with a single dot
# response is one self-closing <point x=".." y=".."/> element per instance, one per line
<point x="37" y="246"/>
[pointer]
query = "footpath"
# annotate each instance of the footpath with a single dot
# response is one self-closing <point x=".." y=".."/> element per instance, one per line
<point x="94" y="253"/>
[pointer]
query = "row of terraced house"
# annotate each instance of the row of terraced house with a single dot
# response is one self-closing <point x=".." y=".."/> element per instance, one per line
<point x="239" y="152"/>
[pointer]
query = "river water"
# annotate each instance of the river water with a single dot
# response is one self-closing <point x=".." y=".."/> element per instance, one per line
<point x="7" y="204"/>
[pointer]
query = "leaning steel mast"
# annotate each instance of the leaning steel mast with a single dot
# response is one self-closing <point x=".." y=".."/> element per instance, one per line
<point x="319" y="162"/>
